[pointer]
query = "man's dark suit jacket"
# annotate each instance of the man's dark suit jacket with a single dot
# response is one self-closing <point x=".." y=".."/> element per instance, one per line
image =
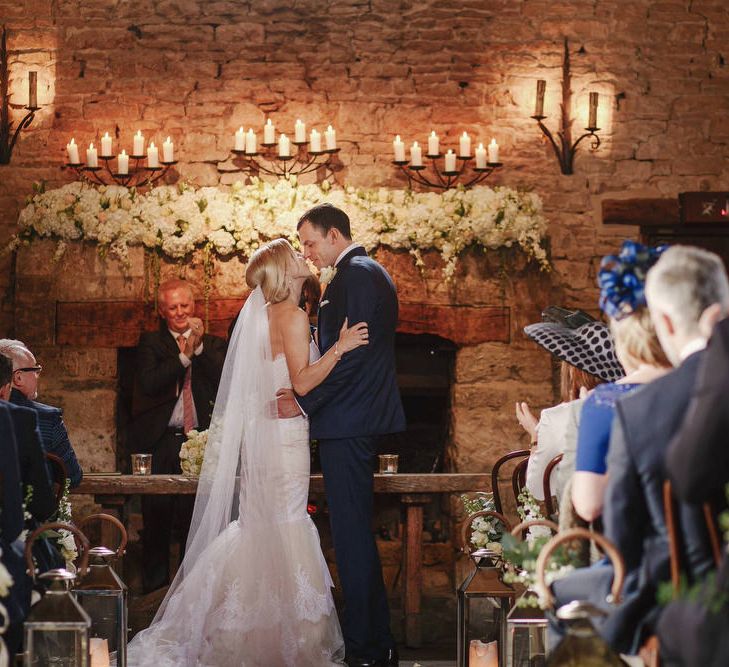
<point x="634" y="520"/>
<point x="11" y="512"/>
<point x="53" y="434"/>
<point x="360" y="396"/>
<point x="158" y="381"/>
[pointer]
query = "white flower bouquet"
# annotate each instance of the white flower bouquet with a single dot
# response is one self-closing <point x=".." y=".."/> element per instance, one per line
<point x="485" y="531"/>
<point x="192" y="452"/>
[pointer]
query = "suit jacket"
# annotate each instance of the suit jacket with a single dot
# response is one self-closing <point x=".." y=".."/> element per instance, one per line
<point x="634" y="520"/>
<point x="11" y="511"/>
<point x="32" y="461"/>
<point x="158" y="381"/>
<point x="53" y="434"/>
<point x="360" y="396"/>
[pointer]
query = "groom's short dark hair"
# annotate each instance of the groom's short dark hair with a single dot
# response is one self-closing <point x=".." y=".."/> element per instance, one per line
<point x="326" y="216"/>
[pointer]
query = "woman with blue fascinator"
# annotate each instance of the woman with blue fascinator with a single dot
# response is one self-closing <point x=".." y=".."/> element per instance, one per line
<point x="622" y="299"/>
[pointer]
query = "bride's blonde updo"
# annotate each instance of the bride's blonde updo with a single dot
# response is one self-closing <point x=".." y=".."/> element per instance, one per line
<point x="268" y="268"/>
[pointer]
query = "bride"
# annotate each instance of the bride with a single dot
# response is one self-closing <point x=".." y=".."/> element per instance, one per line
<point x="253" y="589"/>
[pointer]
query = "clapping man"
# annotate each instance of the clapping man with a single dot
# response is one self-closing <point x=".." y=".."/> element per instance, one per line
<point x="178" y="371"/>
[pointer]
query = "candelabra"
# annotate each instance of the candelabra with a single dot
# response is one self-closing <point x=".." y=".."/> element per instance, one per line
<point x="138" y="176"/>
<point x="277" y="158"/>
<point x="566" y="149"/>
<point x="7" y="140"/>
<point x="453" y="174"/>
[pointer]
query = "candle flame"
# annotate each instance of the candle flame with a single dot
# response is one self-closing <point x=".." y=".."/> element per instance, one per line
<point x="433" y="134"/>
<point x="151" y="145"/>
<point x="168" y="140"/>
<point x="91" y="146"/>
<point x="123" y="152"/>
<point x="415" y="144"/>
<point x="268" y="122"/>
<point x="139" y="133"/>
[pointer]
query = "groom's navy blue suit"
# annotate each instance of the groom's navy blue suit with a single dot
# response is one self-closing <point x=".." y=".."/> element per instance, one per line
<point x="356" y="403"/>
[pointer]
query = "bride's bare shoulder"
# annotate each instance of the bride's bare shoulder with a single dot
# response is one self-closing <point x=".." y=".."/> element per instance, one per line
<point x="287" y="315"/>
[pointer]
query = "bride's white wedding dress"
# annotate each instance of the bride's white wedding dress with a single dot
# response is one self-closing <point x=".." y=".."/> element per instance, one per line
<point x="258" y="594"/>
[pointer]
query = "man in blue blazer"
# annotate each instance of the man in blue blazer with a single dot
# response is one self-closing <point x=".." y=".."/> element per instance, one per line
<point x="358" y="402"/>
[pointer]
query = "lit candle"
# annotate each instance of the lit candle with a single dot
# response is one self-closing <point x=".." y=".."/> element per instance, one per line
<point x="483" y="654"/>
<point x="122" y="163"/>
<point x="480" y="157"/>
<point x="99" y="652"/>
<point x="493" y="151"/>
<point x="106" y="145"/>
<point x="300" y="132"/>
<point x="331" y="138"/>
<point x="168" y="151"/>
<point x="539" y="106"/>
<point x="284" y="146"/>
<point x="399" y="147"/>
<point x="138" y="144"/>
<point x="450" y="160"/>
<point x="416" y="155"/>
<point x="72" y="150"/>
<point x="269" y="133"/>
<point x="240" y="140"/>
<point x="92" y="158"/>
<point x="465" y="145"/>
<point x="32" y="90"/>
<point x="152" y="155"/>
<point x="250" y="141"/>
<point x="315" y="141"/>
<point x="433" y="143"/>
<point x="592" y="122"/>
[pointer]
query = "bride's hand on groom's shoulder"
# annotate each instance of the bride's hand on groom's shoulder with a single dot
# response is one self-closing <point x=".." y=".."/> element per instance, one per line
<point x="352" y="337"/>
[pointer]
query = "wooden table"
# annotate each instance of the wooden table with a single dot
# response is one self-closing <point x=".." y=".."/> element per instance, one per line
<point x="113" y="492"/>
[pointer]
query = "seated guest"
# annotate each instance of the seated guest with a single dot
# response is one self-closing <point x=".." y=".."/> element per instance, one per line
<point x="587" y="360"/>
<point x="697" y="632"/>
<point x="26" y="372"/>
<point x="17" y="601"/>
<point x="622" y="299"/>
<point x="681" y="290"/>
<point x="178" y="371"/>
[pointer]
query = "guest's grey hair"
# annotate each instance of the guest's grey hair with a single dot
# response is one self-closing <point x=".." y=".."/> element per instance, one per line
<point x="684" y="282"/>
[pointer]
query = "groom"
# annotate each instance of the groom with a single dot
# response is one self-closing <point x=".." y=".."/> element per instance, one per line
<point x="358" y="402"/>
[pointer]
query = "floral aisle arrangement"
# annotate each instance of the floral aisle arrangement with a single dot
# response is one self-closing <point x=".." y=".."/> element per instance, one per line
<point x="192" y="452"/>
<point x="486" y="532"/>
<point x="65" y="540"/>
<point x="176" y="220"/>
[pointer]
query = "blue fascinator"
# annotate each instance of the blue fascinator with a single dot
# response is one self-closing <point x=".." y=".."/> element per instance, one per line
<point x="622" y="278"/>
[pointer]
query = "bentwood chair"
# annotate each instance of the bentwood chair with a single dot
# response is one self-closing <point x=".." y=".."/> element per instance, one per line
<point x="518" y="454"/>
<point x="59" y="474"/>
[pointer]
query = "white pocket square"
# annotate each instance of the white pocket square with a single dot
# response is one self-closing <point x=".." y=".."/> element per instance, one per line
<point x="323" y="303"/>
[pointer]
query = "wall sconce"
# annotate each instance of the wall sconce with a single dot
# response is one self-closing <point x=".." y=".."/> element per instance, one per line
<point x="566" y="149"/>
<point x="7" y="142"/>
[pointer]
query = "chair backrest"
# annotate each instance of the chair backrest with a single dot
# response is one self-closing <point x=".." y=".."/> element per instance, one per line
<point x="59" y="473"/>
<point x="547" y="485"/>
<point x="520" y="453"/>
<point x="518" y="478"/>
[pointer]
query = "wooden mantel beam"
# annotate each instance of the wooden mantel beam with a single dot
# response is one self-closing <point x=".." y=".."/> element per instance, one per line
<point x="112" y="324"/>
<point x="641" y="212"/>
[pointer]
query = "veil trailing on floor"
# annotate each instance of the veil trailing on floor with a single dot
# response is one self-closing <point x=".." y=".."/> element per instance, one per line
<point x="241" y="596"/>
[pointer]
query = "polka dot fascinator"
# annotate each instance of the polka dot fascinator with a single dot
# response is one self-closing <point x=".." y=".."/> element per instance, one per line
<point x="589" y="347"/>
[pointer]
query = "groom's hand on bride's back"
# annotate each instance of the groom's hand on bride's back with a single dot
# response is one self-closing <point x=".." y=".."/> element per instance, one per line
<point x="287" y="406"/>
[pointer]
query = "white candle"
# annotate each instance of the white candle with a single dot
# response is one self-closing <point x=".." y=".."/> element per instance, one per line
<point x="122" y="163"/>
<point x="251" y="141"/>
<point x="399" y="147"/>
<point x="482" y="654"/>
<point x="493" y="151"/>
<point x="300" y="132"/>
<point x="433" y="143"/>
<point x="284" y="146"/>
<point x="99" y="652"/>
<point x="168" y="151"/>
<point x="315" y="141"/>
<point x="269" y="133"/>
<point x="480" y="157"/>
<point x="138" y="147"/>
<point x="240" y="140"/>
<point x="72" y="150"/>
<point x="331" y="138"/>
<point x="416" y="155"/>
<point x="106" y="145"/>
<point x="450" y="160"/>
<point x="152" y="155"/>
<point x="465" y="145"/>
<point x="92" y="158"/>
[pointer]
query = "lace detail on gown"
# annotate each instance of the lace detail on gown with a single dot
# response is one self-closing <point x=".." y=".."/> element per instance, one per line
<point x="235" y="608"/>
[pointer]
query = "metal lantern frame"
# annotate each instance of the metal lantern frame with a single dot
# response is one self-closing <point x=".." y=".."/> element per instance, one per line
<point x="57" y="614"/>
<point x="484" y="581"/>
<point x="102" y="593"/>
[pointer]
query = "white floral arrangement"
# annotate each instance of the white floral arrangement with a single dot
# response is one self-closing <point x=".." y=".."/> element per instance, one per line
<point x="485" y="531"/>
<point x="176" y="220"/>
<point x="64" y="538"/>
<point x="192" y="452"/>
<point x="326" y="274"/>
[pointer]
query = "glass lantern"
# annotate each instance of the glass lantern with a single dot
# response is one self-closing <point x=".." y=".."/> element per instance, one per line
<point x="526" y="629"/>
<point x="103" y="595"/>
<point x="57" y="628"/>
<point x="483" y="604"/>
